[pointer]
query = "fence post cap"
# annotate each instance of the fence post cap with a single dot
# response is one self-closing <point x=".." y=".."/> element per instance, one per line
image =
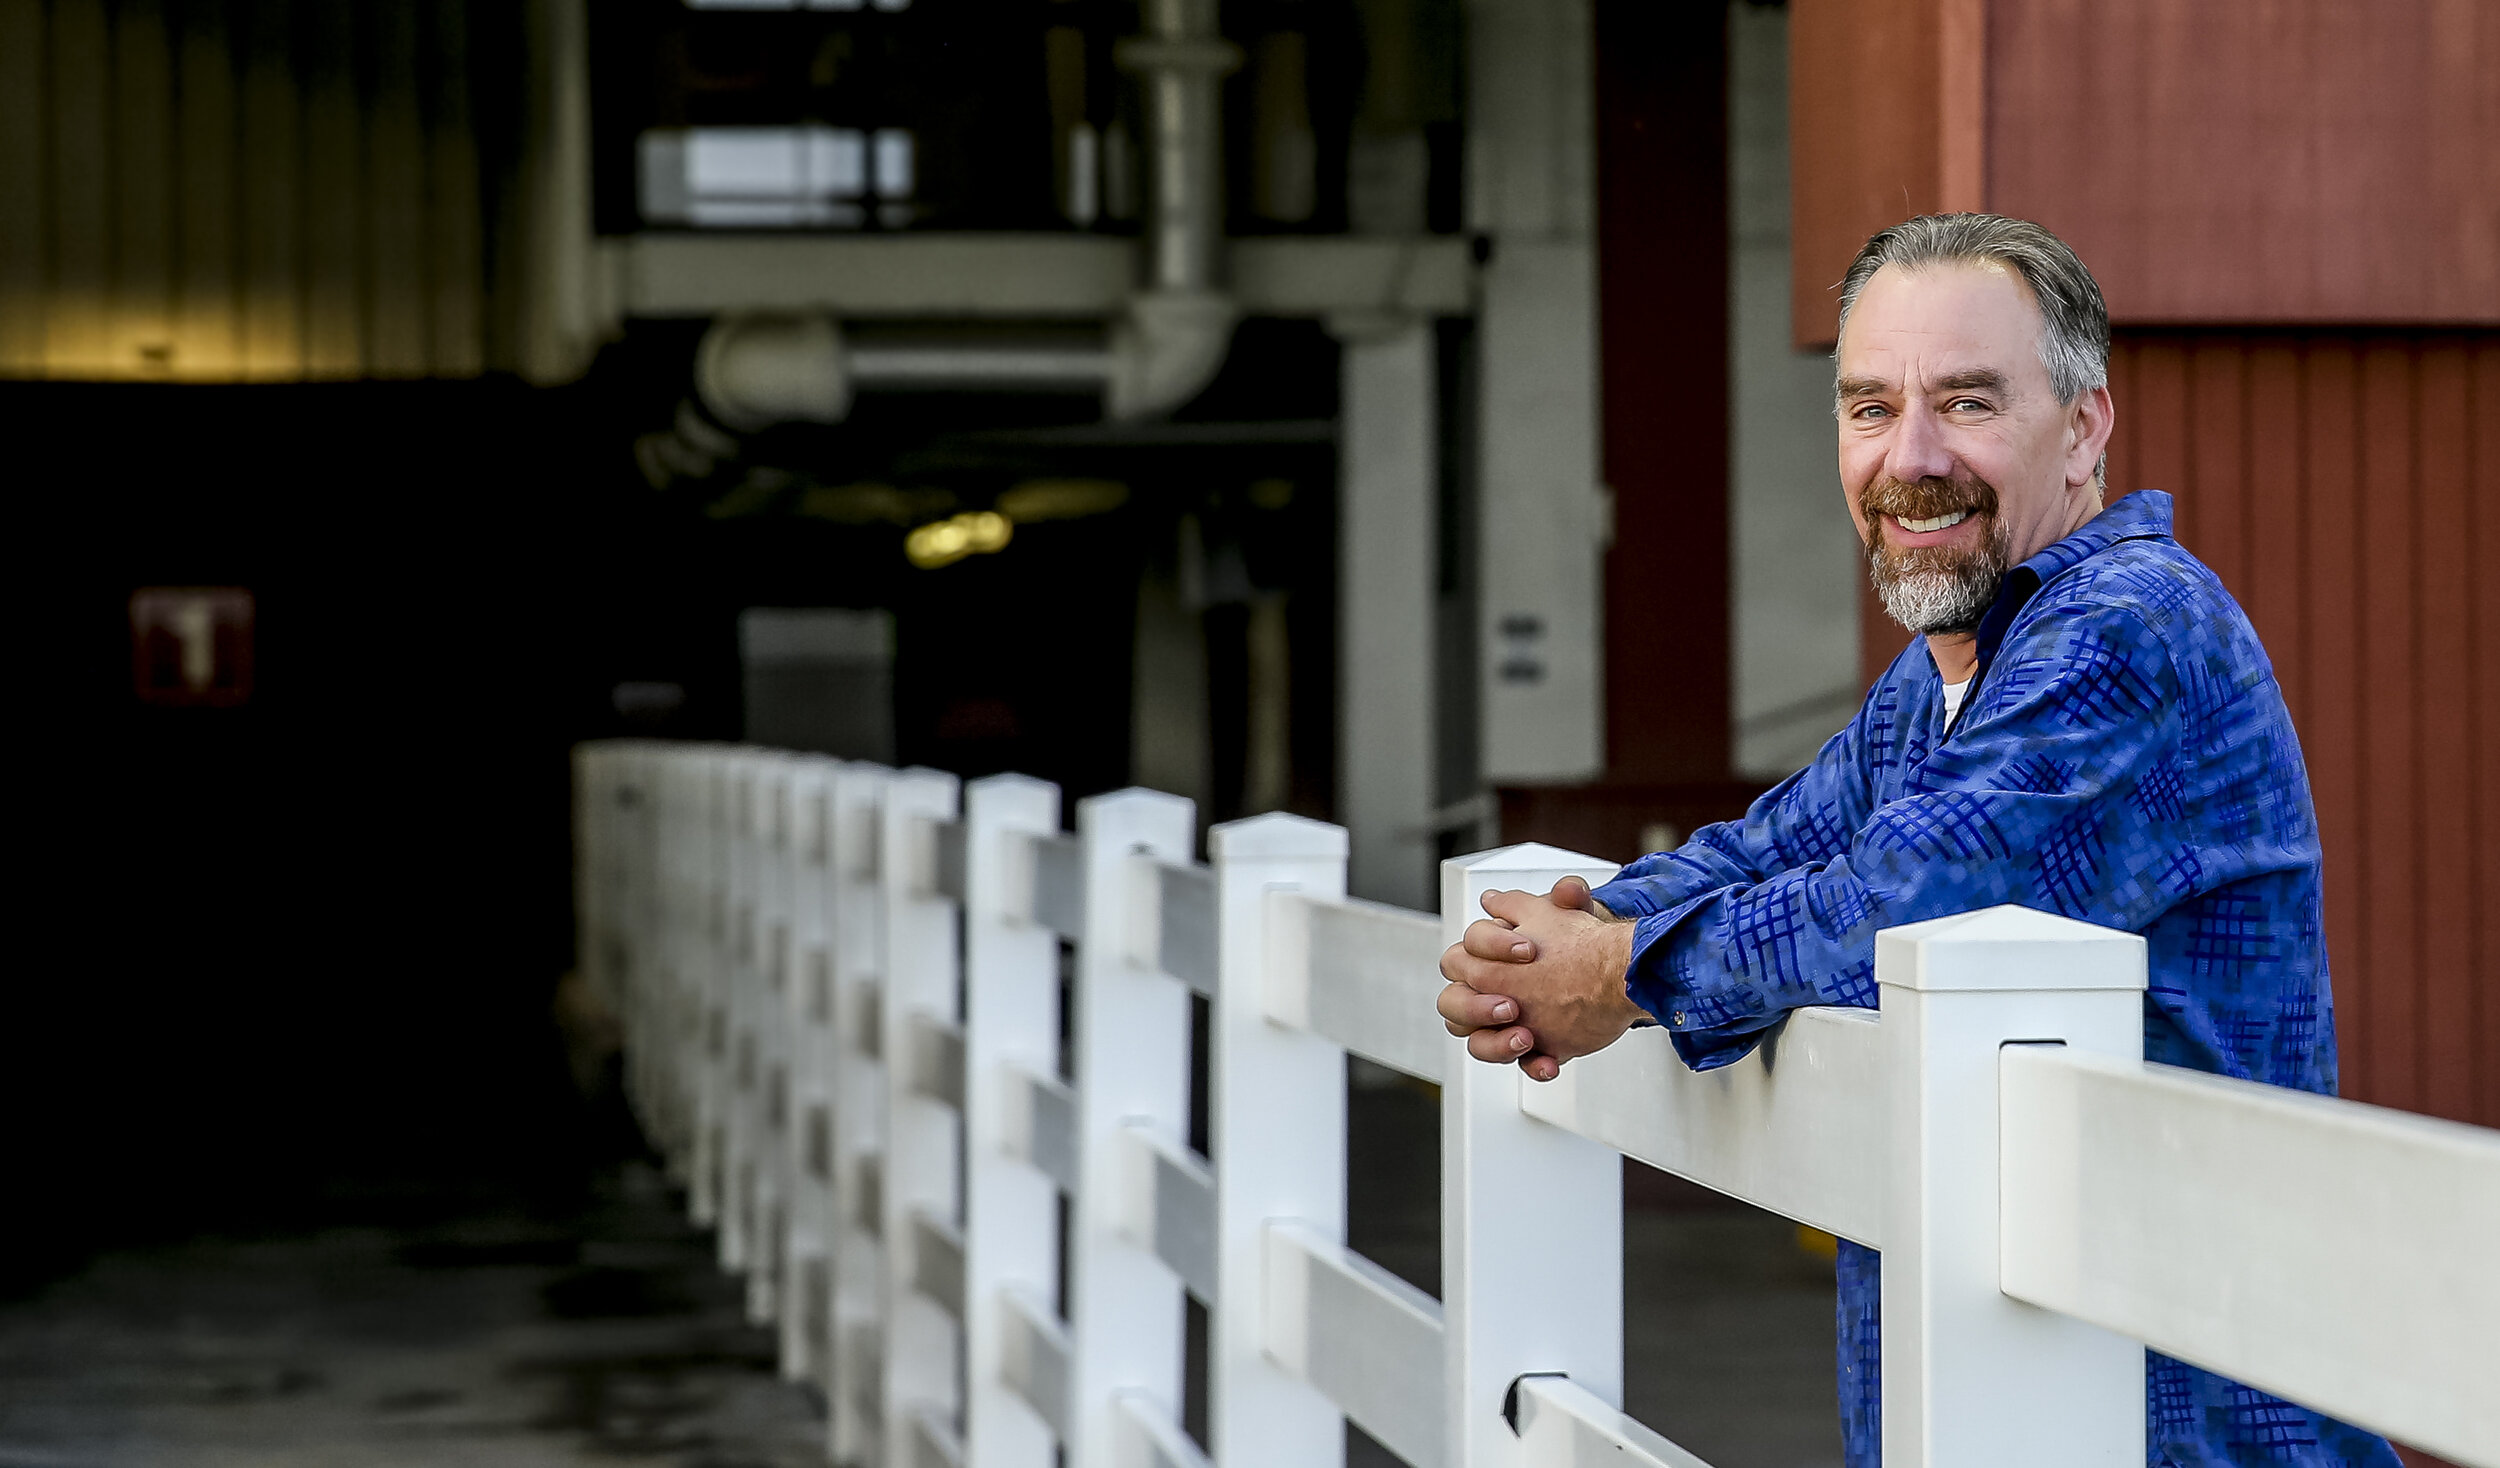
<point x="1008" y="780"/>
<point x="1276" y="834"/>
<point x="1526" y="856"/>
<point x="2008" y="948"/>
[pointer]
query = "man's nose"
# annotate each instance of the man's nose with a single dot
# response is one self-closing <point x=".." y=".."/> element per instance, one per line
<point x="1918" y="448"/>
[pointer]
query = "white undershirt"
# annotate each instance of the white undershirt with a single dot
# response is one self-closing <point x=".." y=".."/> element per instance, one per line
<point x="1953" y="700"/>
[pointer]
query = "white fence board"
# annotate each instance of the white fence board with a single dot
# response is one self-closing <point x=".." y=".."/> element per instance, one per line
<point x="937" y="1060"/>
<point x="1035" y="1360"/>
<point x="1184" y="924"/>
<point x="1797" y="1127"/>
<point x="933" y="1442"/>
<point x="1361" y="974"/>
<point x="1059" y="886"/>
<point x="1562" y="1425"/>
<point x="937" y="1262"/>
<point x="1171" y="1208"/>
<point x="1147" y="1437"/>
<point x="1367" y="1339"/>
<point x="2276" y="1237"/>
<point x="1041" y="1124"/>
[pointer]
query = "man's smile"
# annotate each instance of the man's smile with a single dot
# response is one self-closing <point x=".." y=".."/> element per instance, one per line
<point x="1906" y="533"/>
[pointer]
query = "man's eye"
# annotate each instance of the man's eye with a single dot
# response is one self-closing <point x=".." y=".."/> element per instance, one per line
<point x="1966" y="405"/>
<point x="1869" y="410"/>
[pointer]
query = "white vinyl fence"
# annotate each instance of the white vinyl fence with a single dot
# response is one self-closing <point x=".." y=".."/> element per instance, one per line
<point x="924" y="1059"/>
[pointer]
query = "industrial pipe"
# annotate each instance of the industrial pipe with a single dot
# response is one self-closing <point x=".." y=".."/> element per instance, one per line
<point x="1165" y="346"/>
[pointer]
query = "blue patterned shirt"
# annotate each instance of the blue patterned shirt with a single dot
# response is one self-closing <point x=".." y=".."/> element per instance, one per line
<point x="2124" y="756"/>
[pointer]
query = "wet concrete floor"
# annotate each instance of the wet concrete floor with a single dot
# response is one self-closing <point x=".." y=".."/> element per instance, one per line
<point x="497" y="1340"/>
<point x="507" y="1338"/>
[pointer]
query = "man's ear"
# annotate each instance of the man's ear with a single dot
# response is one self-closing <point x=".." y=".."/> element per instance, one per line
<point x="2089" y="422"/>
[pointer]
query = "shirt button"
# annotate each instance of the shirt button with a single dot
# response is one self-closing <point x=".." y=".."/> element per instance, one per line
<point x="1678" y="1016"/>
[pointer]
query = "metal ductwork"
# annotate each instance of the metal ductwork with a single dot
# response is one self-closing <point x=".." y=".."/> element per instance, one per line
<point x="1161" y="350"/>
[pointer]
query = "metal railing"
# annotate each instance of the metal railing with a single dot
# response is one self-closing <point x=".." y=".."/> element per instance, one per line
<point x="924" y="1059"/>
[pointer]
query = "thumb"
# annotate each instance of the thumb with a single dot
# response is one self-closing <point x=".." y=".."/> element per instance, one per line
<point x="1572" y="894"/>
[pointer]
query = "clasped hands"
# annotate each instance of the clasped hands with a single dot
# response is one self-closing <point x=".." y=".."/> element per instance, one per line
<point x="1540" y="981"/>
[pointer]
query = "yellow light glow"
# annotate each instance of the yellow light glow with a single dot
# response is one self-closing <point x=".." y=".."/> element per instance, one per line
<point x="944" y="542"/>
<point x="1061" y="499"/>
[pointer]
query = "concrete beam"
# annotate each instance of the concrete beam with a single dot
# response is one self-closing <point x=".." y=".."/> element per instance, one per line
<point x="1011" y="276"/>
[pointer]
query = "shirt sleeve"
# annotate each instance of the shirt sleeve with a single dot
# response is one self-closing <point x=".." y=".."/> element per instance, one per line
<point x="1807" y="817"/>
<point x="2058" y="791"/>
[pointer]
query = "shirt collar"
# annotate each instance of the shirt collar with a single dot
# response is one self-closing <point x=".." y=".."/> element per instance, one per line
<point x="2143" y="515"/>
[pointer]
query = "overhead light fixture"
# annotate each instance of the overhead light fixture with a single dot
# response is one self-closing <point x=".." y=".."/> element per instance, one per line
<point x="944" y="542"/>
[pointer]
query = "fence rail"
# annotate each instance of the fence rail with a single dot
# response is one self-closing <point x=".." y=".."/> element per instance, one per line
<point x="923" y="1058"/>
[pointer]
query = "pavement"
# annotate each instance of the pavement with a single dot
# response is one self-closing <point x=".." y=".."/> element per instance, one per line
<point x="499" y="1340"/>
<point x="509" y="1337"/>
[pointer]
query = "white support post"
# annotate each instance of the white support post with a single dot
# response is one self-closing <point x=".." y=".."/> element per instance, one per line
<point x="707" y="979"/>
<point x="854" y="1380"/>
<point x="1387" y="497"/>
<point x="1972" y="1377"/>
<point x="807" y="1131"/>
<point x="922" y="1340"/>
<point x="1132" y="1067"/>
<point x="1011" y="1030"/>
<point x="1278" y="1133"/>
<point x="1531" y="1215"/>
<point x="742" y="1003"/>
<point x="768" y="1231"/>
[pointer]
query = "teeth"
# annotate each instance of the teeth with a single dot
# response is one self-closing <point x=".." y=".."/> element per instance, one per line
<point x="1940" y="522"/>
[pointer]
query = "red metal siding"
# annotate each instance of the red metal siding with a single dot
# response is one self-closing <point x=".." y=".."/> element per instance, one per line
<point x="2343" y="487"/>
<point x="2310" y="162"/>
<point x="2300" y="161"/>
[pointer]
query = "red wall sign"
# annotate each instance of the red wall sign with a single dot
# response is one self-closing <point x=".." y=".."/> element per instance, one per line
<point x="191" y="646"/>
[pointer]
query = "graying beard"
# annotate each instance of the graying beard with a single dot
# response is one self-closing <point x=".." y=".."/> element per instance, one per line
<point x="1932" y="600"/>
<point x="1936" y="601"/>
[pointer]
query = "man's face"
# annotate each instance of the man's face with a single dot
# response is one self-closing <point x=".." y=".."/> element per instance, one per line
<point x="1957" y="459"/>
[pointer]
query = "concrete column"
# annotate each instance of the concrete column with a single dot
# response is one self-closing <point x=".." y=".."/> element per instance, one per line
<point x="1542" y="522"/>
<point x="1387" y="473"/>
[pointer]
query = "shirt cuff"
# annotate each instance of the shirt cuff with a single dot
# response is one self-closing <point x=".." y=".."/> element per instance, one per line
<point x="1650" y="980"/>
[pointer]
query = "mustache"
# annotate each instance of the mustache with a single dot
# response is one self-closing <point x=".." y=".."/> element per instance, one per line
<point x="1925" y="499"/>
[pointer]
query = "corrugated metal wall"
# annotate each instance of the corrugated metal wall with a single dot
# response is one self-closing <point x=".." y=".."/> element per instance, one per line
<point x="2346" y="487"/>
<point x="225" y="190"/>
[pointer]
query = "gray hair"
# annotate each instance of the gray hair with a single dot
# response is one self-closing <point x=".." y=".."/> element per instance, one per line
<point x="2074" y="320"/>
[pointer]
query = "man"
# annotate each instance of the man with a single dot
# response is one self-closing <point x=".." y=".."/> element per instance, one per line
<point x="2085" y="724"/>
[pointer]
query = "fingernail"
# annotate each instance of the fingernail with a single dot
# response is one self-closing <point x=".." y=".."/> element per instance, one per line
<point x="1519" y="950"/>
<point x="1505" y="1010"/>
<point x="1518" y="1042"/>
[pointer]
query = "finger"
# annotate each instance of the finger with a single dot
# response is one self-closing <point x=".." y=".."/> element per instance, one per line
<point x="1498" y="1046"/>
<point x="1573" y="893"/>
<point x="1513" y="908"/>
<point x="1482" y="975"/>
<point x="1540" y="1067"/>
<point x="1463" y="1009"/>
<point x="1500" y="942"/>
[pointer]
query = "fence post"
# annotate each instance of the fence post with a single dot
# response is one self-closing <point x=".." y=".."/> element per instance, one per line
<point x="1278" y="1136"/>
<point x="1131" y="1068"/>
<point x="1972" y="1378"/>
<point x="768" y="1211"/>
<point x="807" y="1132"/>
<point x="854" y="1380"/>
<point x="1531" y="1215"/>
<point x="923" y="1133"/>
<point x="1011" y="1028"/>
<point x="742" y="1001"/>
<point x="707" y="979"/>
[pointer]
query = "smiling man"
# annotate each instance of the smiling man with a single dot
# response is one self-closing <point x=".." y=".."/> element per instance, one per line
<point x="2085" y="724"/>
